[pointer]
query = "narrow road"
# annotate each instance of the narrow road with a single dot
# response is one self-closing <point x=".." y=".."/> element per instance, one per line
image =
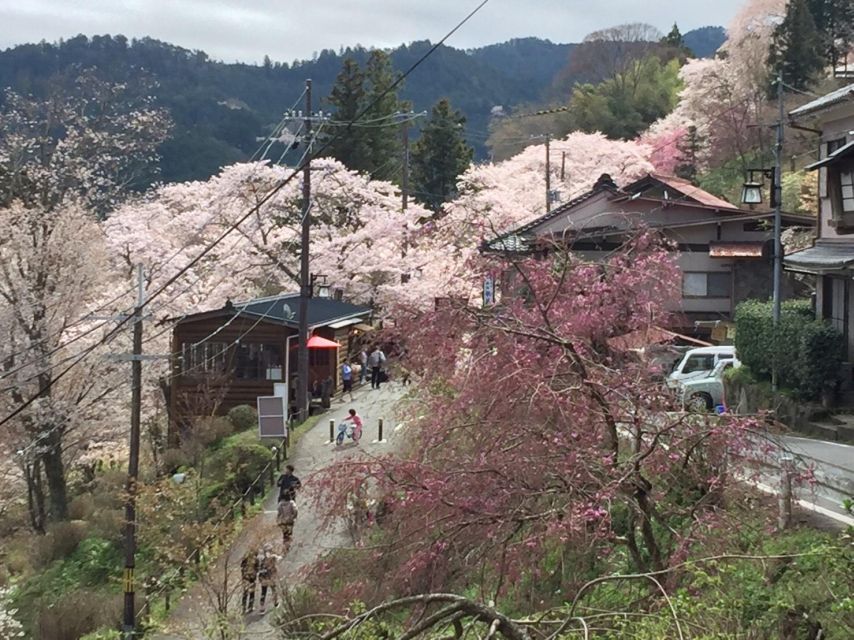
<point x="194" y="615"/>
<point x="832" y="464"/>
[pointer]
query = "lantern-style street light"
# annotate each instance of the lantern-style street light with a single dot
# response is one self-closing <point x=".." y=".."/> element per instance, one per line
<point x="751" y="192"/>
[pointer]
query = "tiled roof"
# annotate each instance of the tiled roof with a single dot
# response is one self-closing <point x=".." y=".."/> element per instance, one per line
<point x="515" y="240"/>
<point x="821" y="257"/>
<point x="824" y="102"/>
<point x="692" y="191"/>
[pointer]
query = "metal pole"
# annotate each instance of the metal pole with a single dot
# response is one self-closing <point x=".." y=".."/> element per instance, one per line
<point x="548" y="173"/>
<point x="563" y="166"/>
<point x="302" y="354"/>
<point x="331" y="430"/>
<point x="404" y="188"/>
<point x="133" y="460"/>
<point x="778" y="205"/>
<point x="380" y="439"/>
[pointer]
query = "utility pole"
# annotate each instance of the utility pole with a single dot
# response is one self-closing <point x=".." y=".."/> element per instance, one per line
<point x="778" y="205"/>
<point x="563" y="166"/>
<point x="305" y="284"/>
<point x="548" y="173"/>
<point x="133" y="459"/>
<point x="404" y="188"/>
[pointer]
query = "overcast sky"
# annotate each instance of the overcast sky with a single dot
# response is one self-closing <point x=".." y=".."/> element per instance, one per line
<point x="285" y="30"/>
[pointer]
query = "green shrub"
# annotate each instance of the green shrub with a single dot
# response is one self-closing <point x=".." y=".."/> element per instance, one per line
<point x="239" y="464"/>
<point x="808" y="352"/>
<point x="76" y="614"/>
<point x="821" y="349"/>
<point x="243" y="417"/>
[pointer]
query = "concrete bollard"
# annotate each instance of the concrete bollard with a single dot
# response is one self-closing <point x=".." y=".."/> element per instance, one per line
<point x="379" y="432"/>
<point x="784" y="517"/>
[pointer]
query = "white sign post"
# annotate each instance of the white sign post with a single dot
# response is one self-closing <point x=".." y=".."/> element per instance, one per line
<point x="272" y="417"/>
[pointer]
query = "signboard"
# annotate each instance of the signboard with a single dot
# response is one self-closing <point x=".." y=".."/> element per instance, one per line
<point x="488" y="291"/>
<point x="272" y="417"/>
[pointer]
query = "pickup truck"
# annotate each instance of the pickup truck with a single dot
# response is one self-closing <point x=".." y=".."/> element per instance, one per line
<point x="707" y="392"/>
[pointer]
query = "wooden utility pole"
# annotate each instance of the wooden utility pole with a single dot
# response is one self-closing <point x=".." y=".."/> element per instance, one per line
<point x="548" y="173"/>
<point x="133" y="459"/>
<point x="563" y="166"/>
<point x="404" y="188"/>
<point x="777" y="186"/>
<point x="305" y="284"/>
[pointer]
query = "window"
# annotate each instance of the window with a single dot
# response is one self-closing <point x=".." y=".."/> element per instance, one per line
<point x="198" y="358"/>
<point x="846" y="184"/>
<point x="256" y="361"/>
<point x="715" y="284"/>
<point x="699" y="363"/>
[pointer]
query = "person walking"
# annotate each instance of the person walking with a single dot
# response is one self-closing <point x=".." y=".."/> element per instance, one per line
<point x="363" y="362"/>
<point x="268" y="575"/>
<point x="248" y="578"/>
<point x="376" y="361"/>
<point x="286" y="517"/>
<point x="347" y="380"/>
<point x="288" y="484"/>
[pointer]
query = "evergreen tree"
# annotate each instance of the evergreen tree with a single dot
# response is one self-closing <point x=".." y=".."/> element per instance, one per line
<point x="834" y="20"/>
<point x="796" y="47"/>
<point x="439" y="156"/>
<point x="383" y="139"/>
<point x="348" y="99"/>
<point x="675" y="43"/>
<point x="689" y="149"/>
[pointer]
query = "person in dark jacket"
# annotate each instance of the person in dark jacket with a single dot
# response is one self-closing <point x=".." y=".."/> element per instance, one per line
<point x="288" y="484"/>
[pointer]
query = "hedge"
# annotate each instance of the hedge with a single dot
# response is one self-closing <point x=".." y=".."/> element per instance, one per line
<point x="809" y="352"/>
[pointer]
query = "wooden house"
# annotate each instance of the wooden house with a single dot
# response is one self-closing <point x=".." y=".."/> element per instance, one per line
<point x="724" y="252"/>
<point x="230" y="356"/>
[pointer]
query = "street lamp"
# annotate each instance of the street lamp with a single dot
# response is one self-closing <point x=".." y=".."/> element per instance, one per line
<point x="751" y="192"/>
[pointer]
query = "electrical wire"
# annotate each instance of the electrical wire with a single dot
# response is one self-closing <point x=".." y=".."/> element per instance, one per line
<point x="253" y="210"/>
<point x="122" y="294"/>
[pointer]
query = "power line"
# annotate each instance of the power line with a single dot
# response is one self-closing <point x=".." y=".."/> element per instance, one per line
<point x="256" y="208"/>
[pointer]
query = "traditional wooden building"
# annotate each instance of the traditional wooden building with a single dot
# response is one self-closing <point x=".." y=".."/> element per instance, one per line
<point x="230" y="356"/>
<point x="724" y="252"/>
<point x="831" y="258"/>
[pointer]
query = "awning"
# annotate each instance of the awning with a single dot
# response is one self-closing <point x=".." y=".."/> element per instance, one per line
<point x="845" y="151"/>
<point x="345" y="323"/>
<point x="821" y="258"/>
<point x="316" y="342"/>
<point x="736" y="249"/>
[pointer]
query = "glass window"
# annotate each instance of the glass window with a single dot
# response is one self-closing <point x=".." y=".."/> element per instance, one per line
<point x="846" y="182"/>
<point x="699" y="363"/>
<point x="256" y="361"/>
<point x="718" y="285"/>
<point x="694" y="284"/>
<point x="204" y="357"/>
<point x="715" y="284"/>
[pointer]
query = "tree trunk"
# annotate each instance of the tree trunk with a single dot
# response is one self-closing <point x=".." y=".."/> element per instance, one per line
<point x="35" y="496"/>
<point x="54" y="471"/>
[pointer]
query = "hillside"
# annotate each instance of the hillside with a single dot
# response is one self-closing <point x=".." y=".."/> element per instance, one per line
<point x="220" y="109"/>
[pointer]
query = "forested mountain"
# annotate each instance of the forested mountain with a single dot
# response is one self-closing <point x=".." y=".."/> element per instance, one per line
<point x="220" y="109"/>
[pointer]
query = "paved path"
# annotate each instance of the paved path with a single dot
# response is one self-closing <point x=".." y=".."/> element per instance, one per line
<point x="193" y="614"/>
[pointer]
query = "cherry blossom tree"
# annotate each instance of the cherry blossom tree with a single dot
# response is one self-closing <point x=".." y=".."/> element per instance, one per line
<point x="532" y="433"/>
<point x="64" y="161"/>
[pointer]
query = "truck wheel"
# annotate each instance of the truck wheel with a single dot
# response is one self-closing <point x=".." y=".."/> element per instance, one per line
<point x="699" y="403"/>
